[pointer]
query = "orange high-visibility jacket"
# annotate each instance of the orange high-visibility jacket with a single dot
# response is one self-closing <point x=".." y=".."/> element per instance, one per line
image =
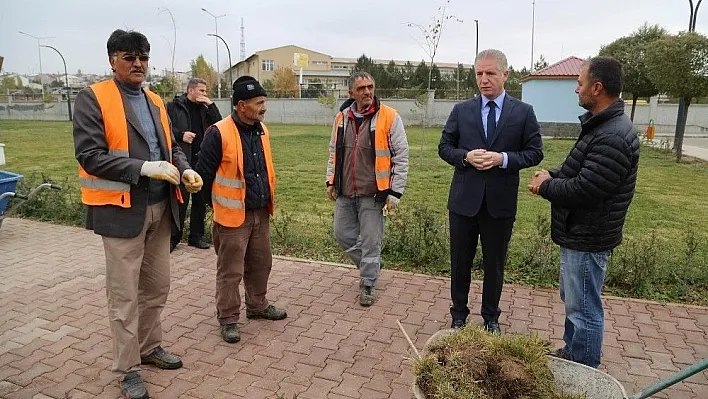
<point x="97" y="191"/>
<point x="228" y="193"/>
<point x="382" y="165"/>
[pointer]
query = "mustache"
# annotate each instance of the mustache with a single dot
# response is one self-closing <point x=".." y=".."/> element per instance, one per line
<point x="141" y="70"/>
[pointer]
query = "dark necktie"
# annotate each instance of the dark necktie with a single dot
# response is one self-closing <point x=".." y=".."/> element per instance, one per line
<point x="491" y="121"/>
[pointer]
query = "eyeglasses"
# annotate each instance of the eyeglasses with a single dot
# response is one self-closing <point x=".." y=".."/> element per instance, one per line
<point x="132" y="58"/>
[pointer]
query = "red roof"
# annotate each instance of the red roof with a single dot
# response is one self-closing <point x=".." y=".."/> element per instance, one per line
<point x="567" y="68"/>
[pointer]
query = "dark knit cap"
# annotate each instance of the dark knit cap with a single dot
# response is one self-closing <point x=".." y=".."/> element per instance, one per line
<point x="247" y="87"/>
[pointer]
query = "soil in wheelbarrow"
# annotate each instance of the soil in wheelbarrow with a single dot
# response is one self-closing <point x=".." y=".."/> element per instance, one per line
<point x="473" y="364"/>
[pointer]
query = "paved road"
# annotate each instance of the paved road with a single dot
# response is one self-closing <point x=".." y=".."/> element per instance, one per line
<point x="55" y="342"/>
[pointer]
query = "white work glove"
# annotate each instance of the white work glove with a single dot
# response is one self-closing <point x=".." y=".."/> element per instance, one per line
<point x="192" y="181"/>
<point x="160" y="170"/>
<point x="391" y="204"/>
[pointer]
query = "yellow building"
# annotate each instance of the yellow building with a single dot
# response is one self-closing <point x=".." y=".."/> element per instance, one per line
<point x="311" y="66"/>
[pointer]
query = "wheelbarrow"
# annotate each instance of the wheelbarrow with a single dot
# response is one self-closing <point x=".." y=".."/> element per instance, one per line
<point x="578" y="379"/>
<point x="8" y="181"/>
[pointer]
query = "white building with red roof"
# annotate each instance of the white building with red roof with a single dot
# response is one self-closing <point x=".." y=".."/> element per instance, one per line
<point x="551" y="91"/>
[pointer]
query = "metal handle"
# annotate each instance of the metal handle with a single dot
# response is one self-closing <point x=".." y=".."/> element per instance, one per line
<point x="678" y="377"/>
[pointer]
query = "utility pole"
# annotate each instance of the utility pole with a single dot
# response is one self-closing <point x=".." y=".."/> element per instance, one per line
<point x="476" y="45"/>
<point x="39" y="50"/>
<point x="216" y="42"/>
<point x="66" y="80"/>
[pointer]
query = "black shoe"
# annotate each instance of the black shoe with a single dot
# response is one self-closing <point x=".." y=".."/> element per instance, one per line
<point x="173" y="245"/>
<point x="162" y="359"/>
<point x="271" y="313"/>
<point x="492" y="327"/>
<point x="561" y="354"/>
<point x="458" y="323"/>
<point x="133" y="387"/>
<point x="201" y="244"/>
<point x="229" y="332"/>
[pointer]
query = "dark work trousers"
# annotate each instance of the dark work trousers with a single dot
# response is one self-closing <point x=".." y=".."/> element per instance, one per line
<point x="196" y="217"/>
<point x="243" y="253"/>
<point x="495" y="234"/>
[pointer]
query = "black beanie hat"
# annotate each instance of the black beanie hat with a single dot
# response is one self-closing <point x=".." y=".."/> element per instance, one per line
<point x="247" y="87"/>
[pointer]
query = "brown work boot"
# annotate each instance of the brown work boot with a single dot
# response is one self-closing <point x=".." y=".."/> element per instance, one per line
<point x="270" y="313"/>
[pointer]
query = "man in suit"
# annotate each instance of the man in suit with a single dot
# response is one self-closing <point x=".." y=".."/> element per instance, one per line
<point x="488" y="139"/>
<point x="130" y="169"/>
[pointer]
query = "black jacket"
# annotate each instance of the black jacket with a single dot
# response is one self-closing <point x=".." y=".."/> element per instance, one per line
<point x="179" y="116"/>
<point x="254" y="164"/>
<point x="591" y="191"/>
<point x="518" y="134"/>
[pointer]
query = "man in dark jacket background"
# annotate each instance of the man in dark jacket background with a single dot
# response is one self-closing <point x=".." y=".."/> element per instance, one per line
<point x="590" y="194"/>
<point x="191" y="114"/>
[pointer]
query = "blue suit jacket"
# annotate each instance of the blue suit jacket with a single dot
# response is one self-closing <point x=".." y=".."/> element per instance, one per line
<point x="517" y="134"/>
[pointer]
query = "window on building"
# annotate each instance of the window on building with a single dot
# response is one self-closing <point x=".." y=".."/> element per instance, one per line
<point x="319" y="63"/>
<point x="268" y="65"/>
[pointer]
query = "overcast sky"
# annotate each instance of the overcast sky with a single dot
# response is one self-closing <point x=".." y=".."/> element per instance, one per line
<point x="378" y="28"/>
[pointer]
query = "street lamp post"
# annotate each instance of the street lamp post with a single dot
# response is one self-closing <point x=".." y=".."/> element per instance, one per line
<point x="231" y="81"/>
<point x="39" y="51"/>
<point x="476" y="44"/>
<point x="533" y="27"/>
<point x="174" y="45"/>
<point x="66" y="80"/>
<point x="216" y="42"/>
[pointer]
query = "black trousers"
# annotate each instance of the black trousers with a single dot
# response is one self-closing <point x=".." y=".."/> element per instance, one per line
<point x="495" y="234"/>
<point x="196" y="217"/>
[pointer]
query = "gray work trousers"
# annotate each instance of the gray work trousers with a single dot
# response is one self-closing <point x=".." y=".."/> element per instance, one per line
<point x="358" y="228"/>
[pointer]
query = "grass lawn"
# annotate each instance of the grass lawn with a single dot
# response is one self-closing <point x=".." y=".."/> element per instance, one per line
<point x="664" y="255"/>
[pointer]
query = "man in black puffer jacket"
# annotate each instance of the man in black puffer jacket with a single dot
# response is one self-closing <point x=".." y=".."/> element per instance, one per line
<point x="590" y="194"/>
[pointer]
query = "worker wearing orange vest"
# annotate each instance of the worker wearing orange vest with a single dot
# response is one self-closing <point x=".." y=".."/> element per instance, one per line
<point x="129" y="174"/>
<point x="366" y="176"/>
<point x="239" y="182"/>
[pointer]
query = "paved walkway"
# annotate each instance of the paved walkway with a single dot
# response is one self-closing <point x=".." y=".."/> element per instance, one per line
<point x="54" y="338"/>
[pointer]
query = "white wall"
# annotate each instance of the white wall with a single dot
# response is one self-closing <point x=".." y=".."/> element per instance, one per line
<point x="553" y="100"/>
<point x="309" y="111"/>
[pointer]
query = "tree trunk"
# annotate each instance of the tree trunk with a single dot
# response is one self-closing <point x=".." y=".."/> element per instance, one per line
<point x="634" y="106"/>
<point x="681" y="127"/>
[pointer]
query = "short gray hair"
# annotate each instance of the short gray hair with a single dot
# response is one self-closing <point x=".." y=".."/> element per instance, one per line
<point x="195" y="81"/>
<point x="496" y="55"/>
<point x="359" y="75"/>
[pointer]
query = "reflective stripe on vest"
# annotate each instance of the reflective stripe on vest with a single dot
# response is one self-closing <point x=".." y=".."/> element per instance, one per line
<point x="228" y="193"/>
<point x="382" y="164"/>
<point x="95" y="190"/>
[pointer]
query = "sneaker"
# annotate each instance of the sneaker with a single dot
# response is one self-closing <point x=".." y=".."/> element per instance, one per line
<point x="229" y="332"/>
<point x="492" y="326"/>
<point x="366" y="296"/>
<point x="162" y="359"/>
<point x="133" y="387"/>
<point x="270" y="313"/>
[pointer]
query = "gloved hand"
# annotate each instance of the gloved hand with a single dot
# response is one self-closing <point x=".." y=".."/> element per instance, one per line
<point x="160" y="170"/>
<point x="192" y="181"/>
<point x="392" y="202"/>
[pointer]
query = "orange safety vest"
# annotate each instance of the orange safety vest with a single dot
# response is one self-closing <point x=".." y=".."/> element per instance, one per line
<point x="382" y="166"/>
<point x="98" y="191"/>
<point x="228" y="193"/>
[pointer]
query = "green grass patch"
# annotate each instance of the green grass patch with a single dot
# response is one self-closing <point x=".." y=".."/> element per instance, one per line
<point x="664" y="255"/>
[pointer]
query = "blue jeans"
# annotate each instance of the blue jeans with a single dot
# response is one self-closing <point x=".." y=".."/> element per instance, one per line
<point x="581" y="278"/>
